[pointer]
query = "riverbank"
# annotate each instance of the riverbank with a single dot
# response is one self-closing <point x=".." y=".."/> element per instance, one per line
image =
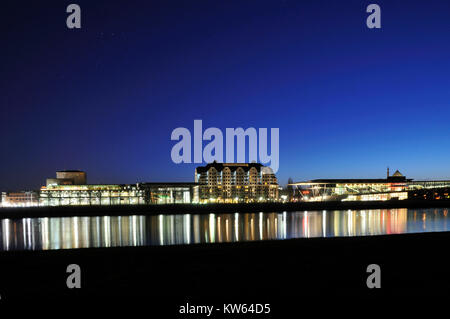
<point x="124" y="210"/>
<point x="265" y="272"/>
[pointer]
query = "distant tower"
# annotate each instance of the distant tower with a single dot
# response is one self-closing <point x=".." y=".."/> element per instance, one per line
<point x="388" y="172"/>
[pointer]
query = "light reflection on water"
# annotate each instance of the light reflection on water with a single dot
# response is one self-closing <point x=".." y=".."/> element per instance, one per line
<point x="114" y="231"/>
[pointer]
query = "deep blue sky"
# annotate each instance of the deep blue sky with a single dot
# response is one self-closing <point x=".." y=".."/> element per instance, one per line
<point x="348" y="100"/>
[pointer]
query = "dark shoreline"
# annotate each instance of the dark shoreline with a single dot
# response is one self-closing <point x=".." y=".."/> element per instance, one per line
<point x="124" y="210"/>
<point x="266" y="271"/>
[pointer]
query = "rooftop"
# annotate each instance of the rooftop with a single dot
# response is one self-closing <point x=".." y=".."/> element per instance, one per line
<point x="70" y="171"/>
<point x="232" y="166"/>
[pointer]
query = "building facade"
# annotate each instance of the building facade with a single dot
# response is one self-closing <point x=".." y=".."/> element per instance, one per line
<point x="123" y="194"/>
<point x="20" y="199"/>
<point x="69" y="177"/>
<point x="170" y="193"/>
<point x="395" y="187"/>
<point x="236" y="182"/>
<point x="73" y="195"/>
<point x="69" y="188"/>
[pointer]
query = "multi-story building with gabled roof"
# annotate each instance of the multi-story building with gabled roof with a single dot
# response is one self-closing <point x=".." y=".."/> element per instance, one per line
<point x="236" y="182"/>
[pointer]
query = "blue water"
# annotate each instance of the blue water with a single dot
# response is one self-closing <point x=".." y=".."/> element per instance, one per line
<point x="108" y="231"/>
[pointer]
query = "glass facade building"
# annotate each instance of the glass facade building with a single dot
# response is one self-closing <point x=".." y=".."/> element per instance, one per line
<point x="64" y="195"/>
<point x="395" y="187"/>
<point x="19" y="199"/>
<point x="69" y="188"/>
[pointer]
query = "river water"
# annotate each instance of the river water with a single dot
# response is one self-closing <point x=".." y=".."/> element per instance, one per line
<point x="115" y="231"/>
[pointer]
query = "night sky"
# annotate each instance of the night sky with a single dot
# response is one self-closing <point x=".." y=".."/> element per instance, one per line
<point x="349" y="101"/>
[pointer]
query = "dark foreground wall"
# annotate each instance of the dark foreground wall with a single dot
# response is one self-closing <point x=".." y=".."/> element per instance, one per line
<point x="62" y="211"/>
<point x="282" y="273"/>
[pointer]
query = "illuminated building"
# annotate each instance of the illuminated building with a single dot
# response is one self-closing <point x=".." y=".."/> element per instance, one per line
<point x="118" y="194"/>
<point x="236" y="182"/>
<point x="170" y="193"/>
<point x="395" y="187"/>
<point x="68" y="177"/>
<point x="63" y="195"/>
<point x="20" y="199"/>
<point x="70" y="188"/>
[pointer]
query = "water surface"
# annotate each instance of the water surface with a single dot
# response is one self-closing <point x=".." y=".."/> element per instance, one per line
<point x="108" y="231"/>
